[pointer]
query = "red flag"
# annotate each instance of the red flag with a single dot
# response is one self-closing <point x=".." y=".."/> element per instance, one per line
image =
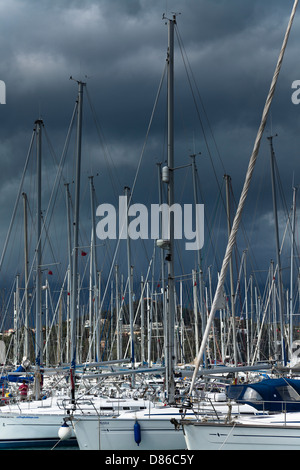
<point x="50" y="273"/>
<point x="83" y="253"/>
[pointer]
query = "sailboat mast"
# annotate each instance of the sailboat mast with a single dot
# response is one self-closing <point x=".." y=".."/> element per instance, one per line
<point x="280" y="293"/>
<point x="26" y="343"/>
<point x="232" y="294"/>
<point x="199" y="259"/>
<point x="38" y="283"/>
<point x="292" y="268"/>
<point x="95" y="289"/>
<point x="74" y="291"/>
<point x="119" y="353"/>
<point x="69" y="282"/>
<point x="16" y="321"/>
<point x="130" y="285"/>
<point x="38" y="247"/>
<point x="142" y="321"/>
<point x="170" y="363"/>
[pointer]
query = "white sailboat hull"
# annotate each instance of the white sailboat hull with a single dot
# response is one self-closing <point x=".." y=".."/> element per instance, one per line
<point x="25" y="430"/>
<point x="118" y="434"/>
<point x="32" y="424"/>
<point x="260" y="433"/>
<point x="157" y="432"/>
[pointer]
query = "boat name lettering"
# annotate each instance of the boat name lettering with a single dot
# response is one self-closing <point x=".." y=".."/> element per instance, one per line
<point x="27" y="417"/>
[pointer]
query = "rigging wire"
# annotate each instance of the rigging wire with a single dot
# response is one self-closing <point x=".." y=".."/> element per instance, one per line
<point x="107" y="155"/>
<point x="238" y="215"/>
<point x="186" y="62"/>
<point x="17" y="200"/>
<point x="132" y="191"/>
<point x="147" y="133"/>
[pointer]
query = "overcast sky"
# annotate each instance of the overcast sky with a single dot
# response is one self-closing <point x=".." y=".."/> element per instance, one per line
<point x="118" y="47"/>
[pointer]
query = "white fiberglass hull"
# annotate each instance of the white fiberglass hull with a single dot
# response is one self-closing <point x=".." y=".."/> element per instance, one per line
<point x="32" y="424"/>
<point x="259" y="433"/>
<point x="156" y="432"/>
<point x="93" y="434"/>
<point x="25" y="430"/>
<point x="36" y="423"/>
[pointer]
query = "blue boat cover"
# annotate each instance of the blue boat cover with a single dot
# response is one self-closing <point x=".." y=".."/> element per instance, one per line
<point x="281" y="394"/>
<point x="15" y="378"/>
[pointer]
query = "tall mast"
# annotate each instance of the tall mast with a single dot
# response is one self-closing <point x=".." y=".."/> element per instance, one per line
<point x="130" y="286"/>
<point x="162" y="258"/>
<point x="142" y="322"/>
<point x="26" y="343"/>
<point x="195" y="301"/>
<point x="232" y="294"/>
<point x="94" y="272"/>
<point x="38" y="313"/>
<point x="16" y="321"/>
<point x="292" y="268"/>
<point x="280" y="293"/>
<point x="119" y="352"/>
<point x="199" y="259"/>
<point x="170" y="363"/>
<point x="91" y="357"/>
<point x="74" y="284"/>
<point x="69" y="280"/>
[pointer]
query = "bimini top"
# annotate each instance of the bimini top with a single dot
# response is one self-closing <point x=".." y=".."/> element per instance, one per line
<point x="269" y="395"/>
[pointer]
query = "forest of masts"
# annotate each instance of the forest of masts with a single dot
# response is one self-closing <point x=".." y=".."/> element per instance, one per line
<point x="255" y="335"/>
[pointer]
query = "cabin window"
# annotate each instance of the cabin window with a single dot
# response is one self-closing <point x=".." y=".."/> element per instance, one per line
<point x="252" y="395"/>
<point x="288" y="393"/>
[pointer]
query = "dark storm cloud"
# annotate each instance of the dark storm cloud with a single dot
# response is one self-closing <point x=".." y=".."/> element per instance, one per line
<point x="119" y="48"/>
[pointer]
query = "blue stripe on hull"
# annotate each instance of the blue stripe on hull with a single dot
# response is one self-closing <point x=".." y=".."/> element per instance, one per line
<point x="30" y="443"/>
